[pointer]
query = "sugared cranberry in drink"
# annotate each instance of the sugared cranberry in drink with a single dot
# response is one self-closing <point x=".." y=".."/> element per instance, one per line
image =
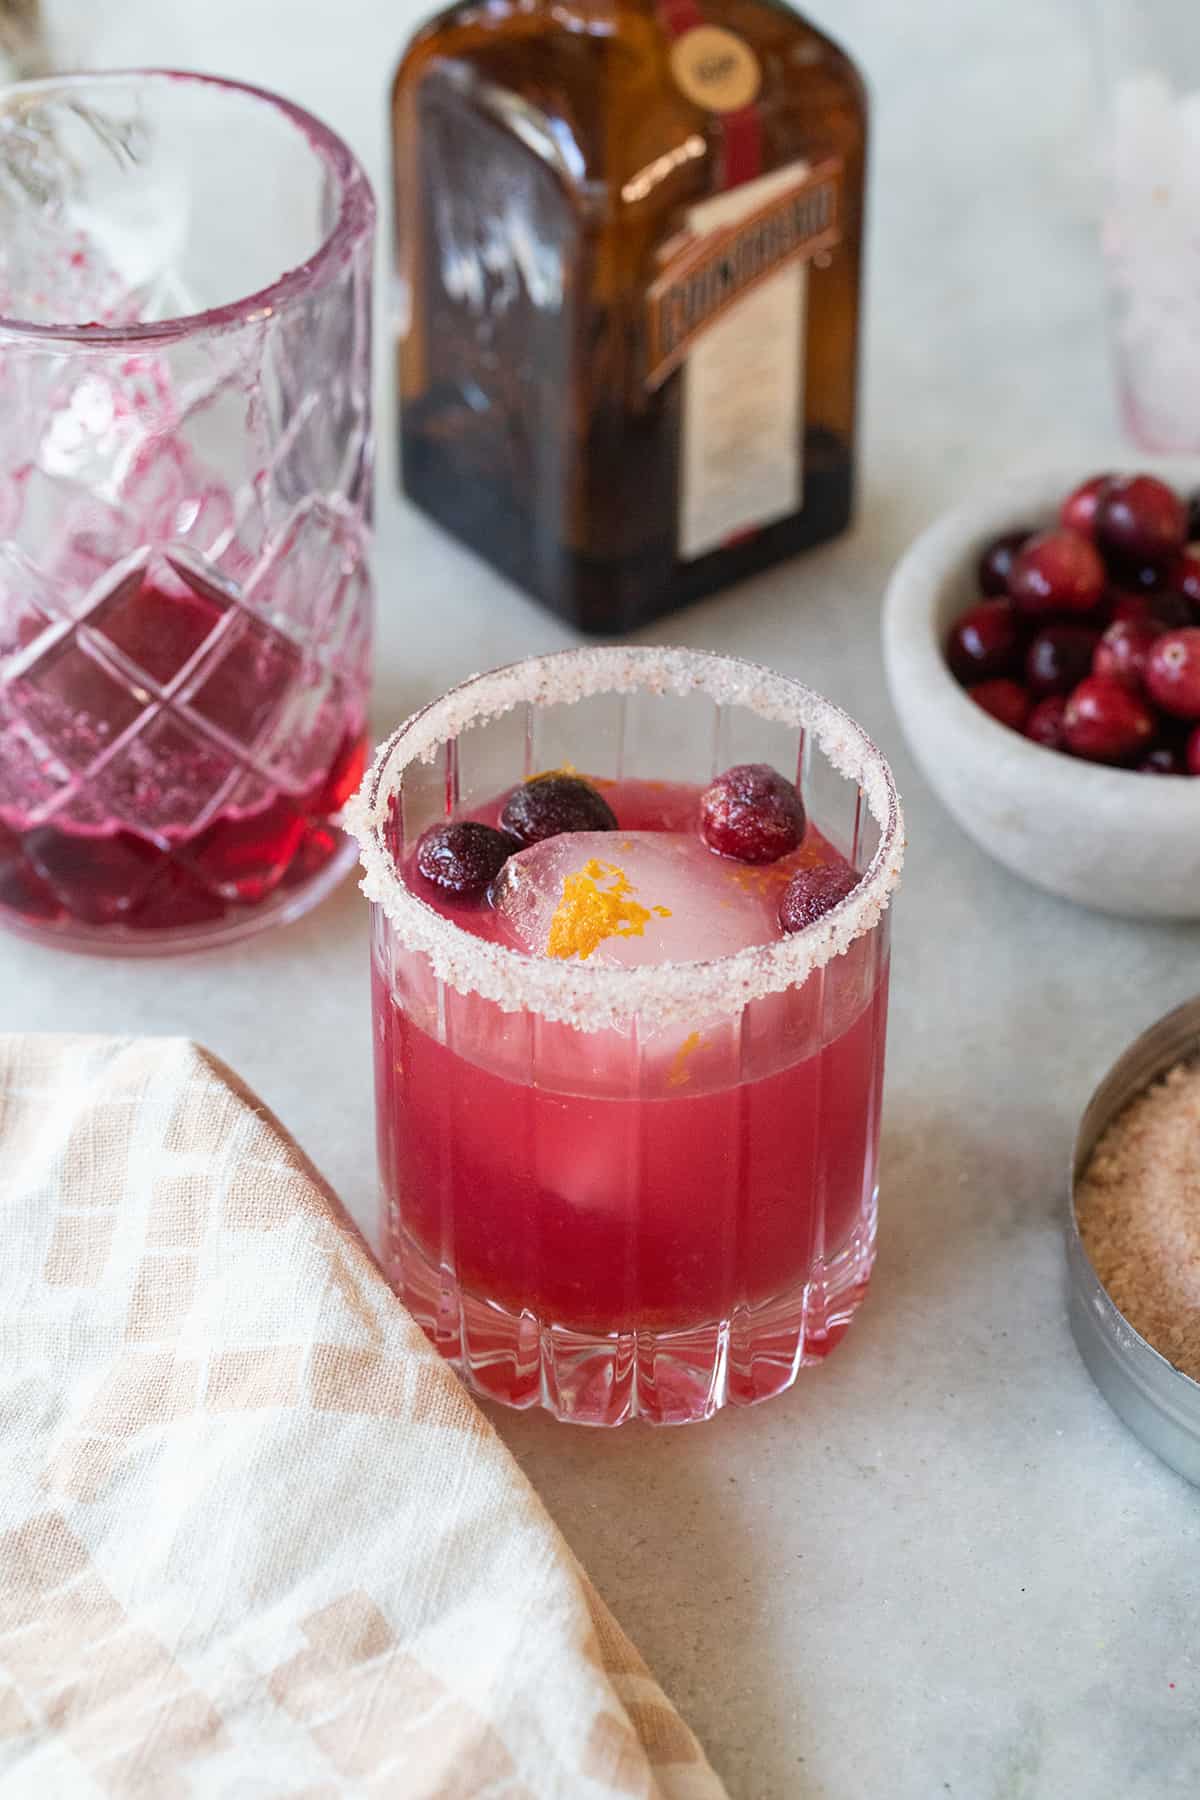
<point x="1184" y="579"/>
<point x="996" y="560"/>
<point x="1059" y="658"/>
<point x="1056" y="572"/>
<point x="985" y="642"/>
<point x="1045" y="724"/>
<point x="1105" y="722"/>
<point x="1141" y="520"/>
<point x="1122" y="651"/>
<point x="1192" y="754"/>
<point x="551" y="804"/>
<point x="1006" y="701"/>
<point x="1162" y="760"/>
<point x="753" y="813"/>
<point x="813" y="892"/>
<point x="1173" y="672"/>
<point x="1078" y="510"/>
<point x="464" y="859"/>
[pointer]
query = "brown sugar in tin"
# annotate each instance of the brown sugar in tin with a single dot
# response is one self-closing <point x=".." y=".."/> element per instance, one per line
<point x="1133" y="1238"/>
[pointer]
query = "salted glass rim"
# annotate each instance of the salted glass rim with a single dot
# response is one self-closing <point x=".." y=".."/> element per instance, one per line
<point x="579" y="993"/>
<point x="355" y="214"/>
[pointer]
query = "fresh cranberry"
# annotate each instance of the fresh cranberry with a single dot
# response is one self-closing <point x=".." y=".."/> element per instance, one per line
<point x="1170" y="610"/>
<point x="1059" y="657"/>
<point x="464" y="859"/>
<point x="753" y="813"/>
<point x="1173" y="672"/>
<point x="813" y="892"/>
<point x="1006" y="701"/>
<point x="1056" y="572"/>
<point x="1045" y="725"/>
<point x="1162" y="760"/>
<point x="996" y="560"/>
<point x="1166" y="610"/>
<point x="1078" y="510"/>
<point x="551" y="804"/>
<point x="1184" y="579"/>
<point x="1130" y="609"/>
<point x="1193" y="524"/>
<point x="1122" y="651"/>
<point x="1192" y="753"/>
<point x="985" y="642"/>
<point x="1141" y="520"/>
<point x="1105" y="722"/>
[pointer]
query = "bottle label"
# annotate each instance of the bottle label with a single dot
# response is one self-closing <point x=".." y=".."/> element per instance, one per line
<point x="715" y="69"/>
<point x="729" y="311"/>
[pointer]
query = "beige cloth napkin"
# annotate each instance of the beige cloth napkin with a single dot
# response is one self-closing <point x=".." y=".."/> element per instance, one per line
<point x="255" y="1540"/>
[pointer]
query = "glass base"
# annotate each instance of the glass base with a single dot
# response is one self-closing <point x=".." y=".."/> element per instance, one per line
<point x="664" y="1377"/>
<point x="280" y="908"/>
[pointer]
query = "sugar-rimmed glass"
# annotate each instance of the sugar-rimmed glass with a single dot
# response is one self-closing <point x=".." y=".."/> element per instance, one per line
<point x="185" y="471"/>
<point x="628" y="1192"/>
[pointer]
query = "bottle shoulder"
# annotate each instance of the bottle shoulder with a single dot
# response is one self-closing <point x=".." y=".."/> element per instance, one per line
<point x="591" y="88"/>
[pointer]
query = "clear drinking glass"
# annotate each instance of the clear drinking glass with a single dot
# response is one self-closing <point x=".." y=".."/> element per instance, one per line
<point x="620" y="1192"/>
<point x="185" y="473"/>
<point x="1150" y="146"/>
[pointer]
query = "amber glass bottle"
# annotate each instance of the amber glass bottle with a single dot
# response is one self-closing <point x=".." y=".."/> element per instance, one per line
<point x="628" y="256"/>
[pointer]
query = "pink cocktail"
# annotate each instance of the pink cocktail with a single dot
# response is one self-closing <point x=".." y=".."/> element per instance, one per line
<point x="615" y="1184"/>
<point x="185" y="460"/>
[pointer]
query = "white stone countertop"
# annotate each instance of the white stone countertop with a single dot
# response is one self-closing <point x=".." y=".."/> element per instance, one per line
<point x="939" y="1566"/>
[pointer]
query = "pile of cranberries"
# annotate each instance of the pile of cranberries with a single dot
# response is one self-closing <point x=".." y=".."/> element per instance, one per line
<point x="1086" y="637"/>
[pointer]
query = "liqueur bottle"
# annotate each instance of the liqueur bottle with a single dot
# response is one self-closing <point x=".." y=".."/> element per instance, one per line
<point x="629" y="240"/>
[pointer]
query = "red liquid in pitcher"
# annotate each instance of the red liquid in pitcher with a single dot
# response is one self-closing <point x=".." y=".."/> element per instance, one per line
<point x="729" y="1167"/>
<point x="144" y="803"/>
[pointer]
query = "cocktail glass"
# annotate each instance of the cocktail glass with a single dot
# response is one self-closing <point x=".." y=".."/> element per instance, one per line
<point x="619" y="1192"/>
<point x="185" y="468"/>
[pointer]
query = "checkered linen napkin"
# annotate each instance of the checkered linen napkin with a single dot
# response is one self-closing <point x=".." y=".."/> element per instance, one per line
<point x="255" y="1540"/>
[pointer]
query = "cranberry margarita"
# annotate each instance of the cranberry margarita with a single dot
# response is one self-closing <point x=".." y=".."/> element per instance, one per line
<point x="629" y="1026"/>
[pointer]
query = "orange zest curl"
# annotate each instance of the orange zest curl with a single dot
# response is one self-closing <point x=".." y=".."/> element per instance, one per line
<point x="597" y="903"/>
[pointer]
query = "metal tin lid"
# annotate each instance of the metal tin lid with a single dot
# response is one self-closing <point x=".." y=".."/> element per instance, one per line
<point x="1157" y="1401"/>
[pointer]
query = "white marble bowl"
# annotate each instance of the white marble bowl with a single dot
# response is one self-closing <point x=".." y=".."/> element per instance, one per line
<point x="1108" y="838"/>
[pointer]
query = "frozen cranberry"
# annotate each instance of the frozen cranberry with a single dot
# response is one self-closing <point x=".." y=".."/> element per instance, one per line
<point x="1078" y="510"/>
<point x="551" y="804"/>
<point x="1006" y="701"/>
<point x="1056" y="572"/>
<point x="1122" y="651"/>
<point x="753" y="813"/>
<point x="1173" y="672"/>
<point x="1192" y="752"/>
<point x="996" y="560"/>
<point x="1105" y="722"/>
<point x="813" y="892"/>
<point x="1184" y="579"/>
<point x="1164" y="759"/>
<point x="985" y="642"/>
<point x="1059" y="657"/>
<point x="1140" y="520"/>
<point x="464" y="859"/>
<point x="1045" y="724"/>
